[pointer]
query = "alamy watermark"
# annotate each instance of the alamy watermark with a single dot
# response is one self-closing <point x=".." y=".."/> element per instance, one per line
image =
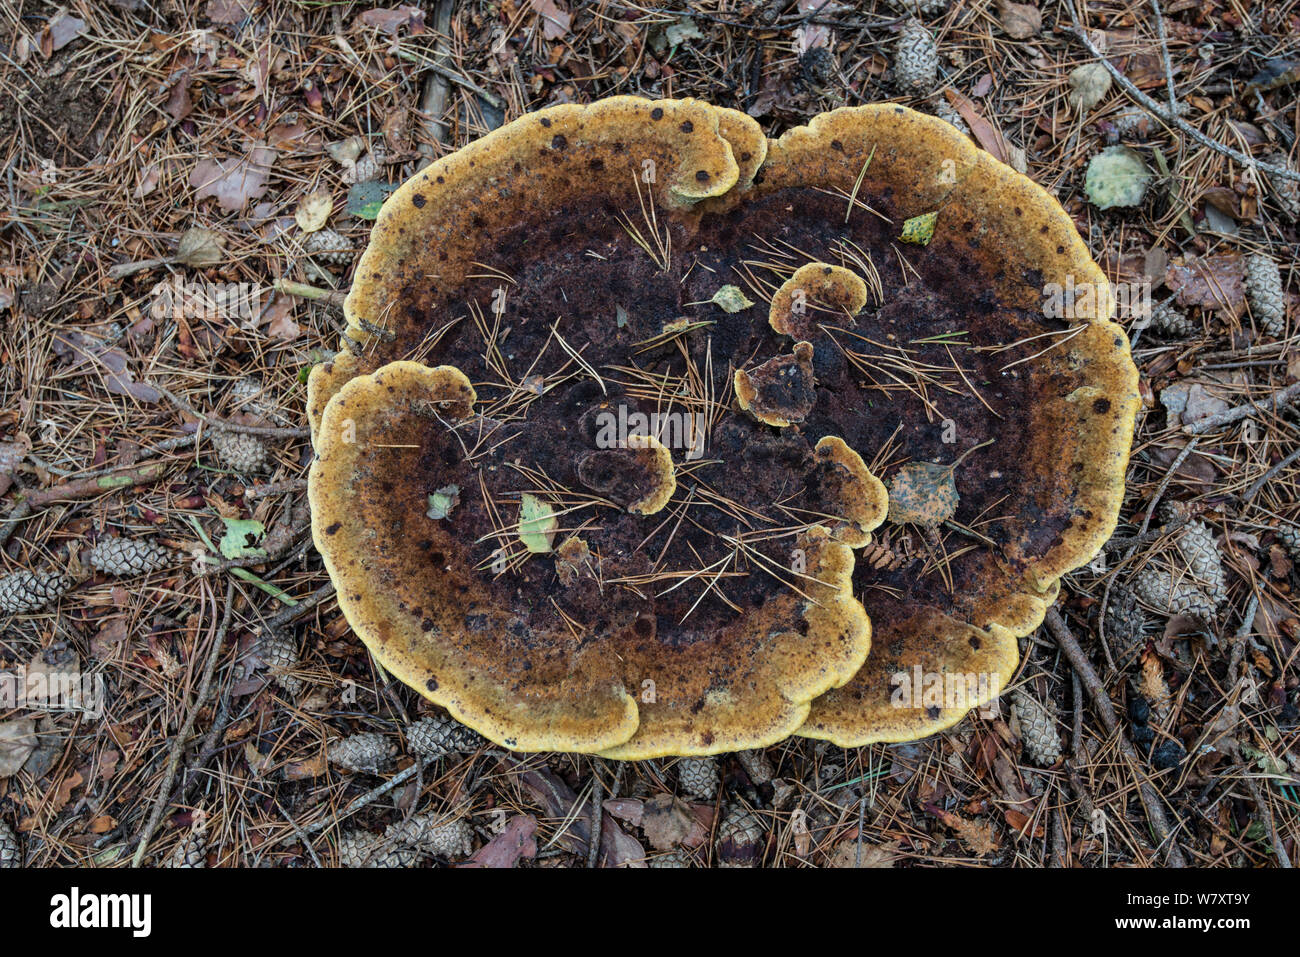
<point x="52" y="691"/>
<point x="1071" y="300"/>
<point x="946" y="690"/>
<point x="207" y="300"/>
<point x="674" y="430"/>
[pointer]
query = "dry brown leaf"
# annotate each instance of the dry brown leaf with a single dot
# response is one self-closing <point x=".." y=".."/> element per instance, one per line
<point x="1212" y="282"/>
<point x="668" y="821"/>
<point x="985" y="133"/>
<point x="852" y="853"/>
<point x="555" y="19"/>
<point x="1019" y="20"/>
<point x="233" y="181"/>
<point x="517" y="841"/>
<point x="17" y="742"/>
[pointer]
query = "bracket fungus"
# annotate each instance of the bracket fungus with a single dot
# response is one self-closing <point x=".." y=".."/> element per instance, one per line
<point x="537" y="319"/>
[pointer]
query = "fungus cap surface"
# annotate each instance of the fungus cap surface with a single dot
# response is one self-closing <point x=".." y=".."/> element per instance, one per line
<point x="592" y="232"/>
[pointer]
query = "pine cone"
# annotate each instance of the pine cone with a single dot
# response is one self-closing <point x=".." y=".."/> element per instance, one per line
<point x="434" y="833"/>
<point x="9" y="855"/>
<point x="919" y="8"/>
<point x="1037" y="730"/>
<point x="1289" y="535"/>
<point x="698" y="777"/>
<point x="1199" y="550"/>
<point x="948" y="113"/>
<point x="1264" y="287"/>
<point x="26" y="591"/>
<point x="279" y="652"/>
<point x="369" y="751"/>
<point x="191" y="852"/>
<point x="756" y="765"/>
<point x="1286" y="192"/>
<point x="126" y="556"/>
<point x="1157" y="588"/>
<point x="1169" y="320"/>
<point x="239" y="450"/>
<point x="249" y="395"/>
<point x="740" y="839"/>
<point x="363" y="849"/>
<point x="1125" y="622"/>
<point x="674" y="858"/>
<point x="440" y="734"/>
<point x="916" y="61"/>
<point x="329" y="247"/>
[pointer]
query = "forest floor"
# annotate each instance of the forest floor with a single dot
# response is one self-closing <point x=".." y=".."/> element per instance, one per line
<point x="251" y="127"/>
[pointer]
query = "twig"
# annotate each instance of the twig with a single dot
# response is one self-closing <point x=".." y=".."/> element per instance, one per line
<point x="286" y="615"/>
<point x="1265" y="808"/>
<point x="1153" y="107"/>
<point x="1281" y="397"/>
<point x="178" y="743"/>
<point x="593" y="846"/>
<point x="81" y="488"/>
<point x="1106" y="710"/>
<point x="275" y="488"/>
<point x="222" y="424"/>
<point x="1264" y="479"/>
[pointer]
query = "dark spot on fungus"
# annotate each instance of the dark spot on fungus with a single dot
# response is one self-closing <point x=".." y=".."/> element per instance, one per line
<point x="657" y="113"/>
<point x="419" y="200"/>
<point x="559" y="141"/>
<point x="702" y="175"/>
<point x="432" y="684"/>
<point x="687" y="126"/>
<point x="333" y="528"/>
<point x="1101" y="406"/>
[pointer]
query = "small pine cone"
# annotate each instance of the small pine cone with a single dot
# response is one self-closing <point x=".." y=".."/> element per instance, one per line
<point x="1201" y="552"/>
<point x="1157" y="588"/>
<point x="756" y="765"/>
<point x="126" y="556"/>
<point x="919" y="8"/>
<point x="239" y="450"/>
<point x="26" y="591"/>
<point x="435" y="834"/>
<point x="1171" y="321"/>
<point x="674" y="858"/>
<point x="368" y="751"/>
<point x="916" y="61"/>
<point x="1289" y="535"/>
<point x="249" y="394"/>
<point x="328" y="246"/>
<point x="279" y="652"/>
<point x="698" y="777"/>
<point x="191" y="852"/>
<point x="1125" y="622"/>
<point x="948" y="113"/>
<point x="363" y="849"/>
<point x="9" y="856"/>
<point x="740" y="839"/>
<point x="1264" y="287"/>
<point x="1286" y="192"/>
<point x="1037" y="730"/>
<point x="440" y="734"/>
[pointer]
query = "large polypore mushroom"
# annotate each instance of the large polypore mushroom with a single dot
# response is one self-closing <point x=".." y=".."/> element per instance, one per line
<point x="613" y="506"/>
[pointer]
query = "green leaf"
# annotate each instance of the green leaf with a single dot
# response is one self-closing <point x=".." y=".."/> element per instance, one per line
<point x="1117" y="176"/>
<point x="365" y="199"/>
<point x="443" y="501"/>
<point x="919" y="229"/>
<point x="731" y="299"/>
<point x="537" y="524"/>
<point x="241" y="538"/>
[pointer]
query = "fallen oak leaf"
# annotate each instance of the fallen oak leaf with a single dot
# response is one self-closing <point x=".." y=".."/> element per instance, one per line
<point x="1020" y="20"/>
